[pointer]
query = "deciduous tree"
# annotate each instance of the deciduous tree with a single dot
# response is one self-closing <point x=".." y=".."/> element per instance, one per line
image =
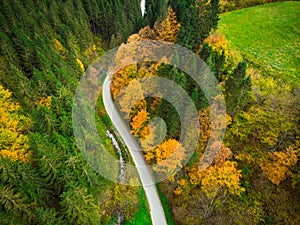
<point x="139" y="123"/>
<point x="277" y="165"/>
<point x="13" y="127"/>
<point x="167" y="156"/>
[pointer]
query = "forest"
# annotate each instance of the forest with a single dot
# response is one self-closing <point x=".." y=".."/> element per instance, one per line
<point x="45" y="48"/>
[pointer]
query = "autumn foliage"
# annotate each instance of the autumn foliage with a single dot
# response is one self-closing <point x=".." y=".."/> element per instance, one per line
<point x="225" y="177"/>
<point x="222" y="176"/>
<point x="167" y="156"/>
<point x="258" y="146"/>
<point x="13" y="140"/>
<point x="276" y="166"/>
<point x="138" y="123"/>
<point x="169" y="28"/>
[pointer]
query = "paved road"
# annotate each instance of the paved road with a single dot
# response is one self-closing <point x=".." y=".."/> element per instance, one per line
<point x="156" y="209"/>
<point x="143" y="7"/>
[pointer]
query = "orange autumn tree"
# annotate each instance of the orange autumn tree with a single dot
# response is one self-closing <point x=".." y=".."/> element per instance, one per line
<point x="127" y="90"/>
<point x="13" y="126"/>
<point x="139" y="122"/>
<point x="277" y="165"/>
<point x="125" y="85"/>
<point x="167" y="156"/>
<point x="122" y="78"/>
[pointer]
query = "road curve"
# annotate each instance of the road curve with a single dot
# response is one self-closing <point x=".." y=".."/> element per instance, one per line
<point x="156" y="209"/>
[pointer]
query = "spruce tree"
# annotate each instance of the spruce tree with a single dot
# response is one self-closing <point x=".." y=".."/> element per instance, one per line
<point x="156" y="11"/>
<point x="197" y="19"/>
<point x="237" y="88"/>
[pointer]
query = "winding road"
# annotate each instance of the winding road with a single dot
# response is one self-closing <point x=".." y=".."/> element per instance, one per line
<point x="145" y="174"/>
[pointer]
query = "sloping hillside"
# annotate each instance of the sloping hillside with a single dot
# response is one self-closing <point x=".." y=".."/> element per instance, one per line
<point x="268" y="36"/>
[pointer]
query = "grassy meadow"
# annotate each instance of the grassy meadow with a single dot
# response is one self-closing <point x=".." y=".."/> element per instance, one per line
<point x="268" y="36"/>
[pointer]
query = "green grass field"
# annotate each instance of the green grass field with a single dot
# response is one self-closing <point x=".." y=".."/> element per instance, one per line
<point x="143" y="215"/>
<point x="268" y="36"/>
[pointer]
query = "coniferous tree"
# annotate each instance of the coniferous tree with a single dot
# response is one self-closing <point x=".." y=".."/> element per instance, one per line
<point x="156" y="11"/>
<point x="16" y="204"/>
<point x="79" y="207"/>
<point x="237" y="87"/>
<point x="197" y="19"/>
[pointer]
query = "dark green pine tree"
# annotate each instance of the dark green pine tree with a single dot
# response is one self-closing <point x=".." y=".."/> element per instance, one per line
<point x="208" y="17"/>
<point x="79" y="207"/>
<point x="155" y="12"/>
<point x="20" y="191"/>
<point x="237" y="88"/>
<point x="197" y="19"/>
<point x="101" y="17"/>
<point x="48" y="216"/>
<point x="133" y="20"/>
<point x="14" y="203"/>
<point x="218" y="65"/>
<point x="113" y="20"/>
<point x="205" y="52"/>
<point x="187" y="17"/>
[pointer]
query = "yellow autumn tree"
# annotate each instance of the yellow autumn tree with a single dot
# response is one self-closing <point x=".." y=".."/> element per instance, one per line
<point x="60" y="48"/>
<point x="277" y="165"/>
<point x="132" y="99"/>
<point x="167" y="156"/>
<point x="80" y="64"/>
<point x="13" y="140"/>
<point x="169" y="28"/>
<point x="181" y="184"/>
<point x="122" y="78"/>
<point x="149" y="138"/>
<point x="139" y="122"/>
<point x="146" y="33"/>
<point x="218" y="178"/>
<point x="219" y="44"/>
<point x="226" y="177"/>
<point x="221" y="176"/>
